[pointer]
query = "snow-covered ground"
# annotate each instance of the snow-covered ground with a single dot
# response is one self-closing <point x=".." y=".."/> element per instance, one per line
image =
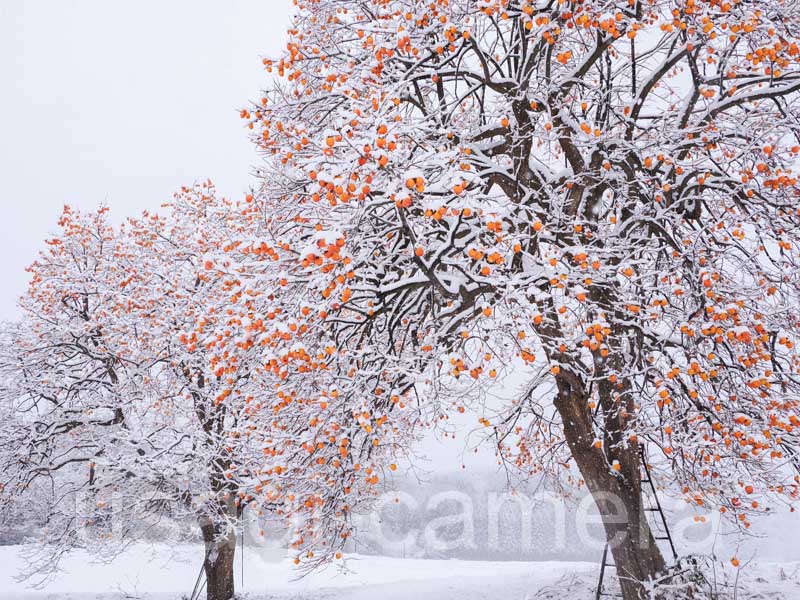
<point x="169" y="572"/>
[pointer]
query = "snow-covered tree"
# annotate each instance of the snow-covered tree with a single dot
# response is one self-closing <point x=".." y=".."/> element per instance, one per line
<point x="175" y="293"/>
<point x="120" y="418"/>
<point x="598" y="196"/>
<point x="66" y="380"/>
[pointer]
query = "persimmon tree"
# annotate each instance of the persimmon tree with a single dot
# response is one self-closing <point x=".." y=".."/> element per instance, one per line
<point x="67" y="378"/>
<point x="177" y="293"/>
<point x="120" y="413"/>
<point x="322" y="451"/>
<point x="598" y="195"/>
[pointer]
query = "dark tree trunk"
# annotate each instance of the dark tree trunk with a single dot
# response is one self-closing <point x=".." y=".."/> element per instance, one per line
<point x="219" y="537"/>
<point x="218" y="521"/>
<point x="617" y="493"/>
<point x="618" y="497"/>
<point x="219" y="571"/>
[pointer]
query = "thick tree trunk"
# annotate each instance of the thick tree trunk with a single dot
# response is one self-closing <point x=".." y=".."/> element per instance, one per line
<point x="220" y="547"/>
<point x="618" y="496"/>
<point x="617" y="493"/>
<point x="219" y="570"/>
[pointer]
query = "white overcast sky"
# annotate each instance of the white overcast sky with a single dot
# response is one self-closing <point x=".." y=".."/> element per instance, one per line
<point x="105" y="101"/>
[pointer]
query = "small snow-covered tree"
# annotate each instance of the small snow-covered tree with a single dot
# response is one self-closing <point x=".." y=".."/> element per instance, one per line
<point x="600" y="196"/>
<point x="119" y="412"/>
<point x="66" y="380"/>
<point x="176" y="293"/>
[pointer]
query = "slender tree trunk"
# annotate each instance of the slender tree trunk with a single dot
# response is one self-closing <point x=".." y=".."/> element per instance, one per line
<point x="220" y="546"/>
<point x="617" y="493"/>
<point x="218" y="522"/>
